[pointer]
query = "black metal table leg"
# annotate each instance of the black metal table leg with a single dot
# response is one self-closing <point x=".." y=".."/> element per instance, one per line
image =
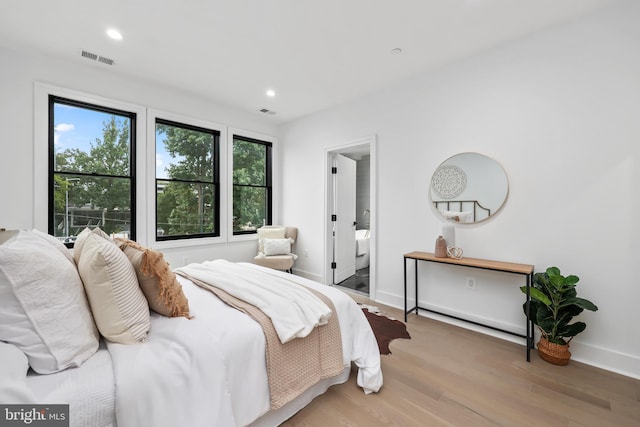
<point x="416" y="278"/>
<point x="405" y="290"/>
<point x="529" y="319"/>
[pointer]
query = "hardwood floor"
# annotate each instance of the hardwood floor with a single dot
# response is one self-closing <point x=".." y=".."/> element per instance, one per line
<point x="450" y="376"/>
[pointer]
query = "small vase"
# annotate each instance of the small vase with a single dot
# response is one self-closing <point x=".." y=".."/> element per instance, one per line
<point x="441" y="248"/>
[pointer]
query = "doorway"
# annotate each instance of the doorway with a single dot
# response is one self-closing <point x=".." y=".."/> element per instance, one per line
<point x="350" y="227"/>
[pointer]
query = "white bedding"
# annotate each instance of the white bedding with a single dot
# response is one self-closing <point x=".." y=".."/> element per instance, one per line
<point x="205" y="372"/>
<point x="293" y="310"/>
<point x="89" y="390"/>
<point x="362" y="242"/>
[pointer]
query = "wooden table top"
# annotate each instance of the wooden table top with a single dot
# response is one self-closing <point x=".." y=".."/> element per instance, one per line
<point x="474" y="262"/>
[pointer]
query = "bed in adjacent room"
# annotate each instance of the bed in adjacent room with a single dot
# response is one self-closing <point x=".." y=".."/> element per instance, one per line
<point x="362" y="248"/>
<point x="211" y="365"/>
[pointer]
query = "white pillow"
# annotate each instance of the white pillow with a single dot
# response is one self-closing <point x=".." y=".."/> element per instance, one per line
<point x="13" y="371"/>
<point x="44" y="311"/>
<point x="465" y="216"/>
<point x="56" y="244"/>
<point x="118" y="305"/>
<point x="277" y="247"/>
<point x="269" y="232"/>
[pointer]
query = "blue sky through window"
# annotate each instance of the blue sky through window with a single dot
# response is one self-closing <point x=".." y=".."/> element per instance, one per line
<point x="163" y="158"/>
<point x="77" y="127"/>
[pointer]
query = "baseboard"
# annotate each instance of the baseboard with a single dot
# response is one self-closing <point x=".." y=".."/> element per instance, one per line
<point x="599" y="357"/>
<point x="610" y="360"/>
<point x="308" y="275"/>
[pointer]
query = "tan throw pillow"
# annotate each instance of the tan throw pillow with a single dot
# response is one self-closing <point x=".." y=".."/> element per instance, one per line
<point x="158" y="283"/>
<point x="117" y="303"/>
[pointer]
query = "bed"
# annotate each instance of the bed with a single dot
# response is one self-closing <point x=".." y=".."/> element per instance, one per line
<point x="462" y="210"/>
<point x="204" y="368"/>
<point x="362" y="248"/>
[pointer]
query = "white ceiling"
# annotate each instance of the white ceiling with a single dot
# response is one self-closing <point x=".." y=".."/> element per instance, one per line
<point x="314" y="54"/>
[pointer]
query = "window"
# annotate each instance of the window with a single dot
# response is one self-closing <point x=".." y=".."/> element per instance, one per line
<point x="252" y="191"/>
<point x="187" y="181"/>
<point x="91" y="169"/>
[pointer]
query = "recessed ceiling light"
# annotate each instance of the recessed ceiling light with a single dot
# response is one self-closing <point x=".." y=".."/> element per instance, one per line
<point x="271" y="93"/>
<point x="396" y="51"/>
<point x="114" y="34"/>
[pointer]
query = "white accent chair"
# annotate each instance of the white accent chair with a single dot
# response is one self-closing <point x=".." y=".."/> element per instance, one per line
<point x="273" y="250"/>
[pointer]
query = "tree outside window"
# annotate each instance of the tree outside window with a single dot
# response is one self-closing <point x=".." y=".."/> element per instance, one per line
<point x="187" y="181"/>
<point x="92" y="179"/>
<point x="252" y="184"/>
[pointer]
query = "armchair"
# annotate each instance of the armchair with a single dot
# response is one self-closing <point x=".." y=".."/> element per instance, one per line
<point x="276" y="247"/>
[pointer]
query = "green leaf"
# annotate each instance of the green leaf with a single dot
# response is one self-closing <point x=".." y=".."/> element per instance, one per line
<point x="571" y="330"/>
<point x="569" y="312"/>
<point x="545" y="323"/>
<point x="556" y="281"/>
<point x="579" y="302"/>
<point x="571" y="280"/>
<point x="553" y="271"/>
<point x="537" y="295"/>
<point x="541" y="281"/>
<point x="569" y="293"/>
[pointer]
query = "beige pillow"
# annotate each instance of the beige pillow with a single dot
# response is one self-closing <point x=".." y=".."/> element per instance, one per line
<point x="117" y="303"/>
<point x="158" y="283"/>
<point x="269" y="232"/>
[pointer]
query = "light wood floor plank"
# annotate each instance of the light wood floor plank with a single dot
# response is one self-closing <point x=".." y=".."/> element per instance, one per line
<point x="451" y="376"/>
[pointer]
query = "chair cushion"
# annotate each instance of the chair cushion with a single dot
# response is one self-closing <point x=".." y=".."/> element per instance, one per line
<point x="277" y="262"/>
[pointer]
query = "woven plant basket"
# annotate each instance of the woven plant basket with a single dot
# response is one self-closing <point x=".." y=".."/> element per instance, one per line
<point x="553" y="353"/>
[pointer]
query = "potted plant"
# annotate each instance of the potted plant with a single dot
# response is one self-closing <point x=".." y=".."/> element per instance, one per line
<point x="554" y="303"/>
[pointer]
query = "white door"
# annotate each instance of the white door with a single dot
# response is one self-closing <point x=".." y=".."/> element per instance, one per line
<point x="344" y="227"/>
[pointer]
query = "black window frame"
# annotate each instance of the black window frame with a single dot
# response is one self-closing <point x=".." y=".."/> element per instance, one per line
<point x="55" y="99"/>
<point x="215" y="181"/>
<point x="268" y="179"/>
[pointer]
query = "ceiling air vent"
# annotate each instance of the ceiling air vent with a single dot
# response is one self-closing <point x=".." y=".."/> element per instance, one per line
<point x="89" y="55"/>
<point x="267" y="111"/>
<point x="96" y="57"/>
<point x="104" y="60"/>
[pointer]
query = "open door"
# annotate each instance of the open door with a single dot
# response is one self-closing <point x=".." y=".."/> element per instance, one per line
<point x="344" y="225"/>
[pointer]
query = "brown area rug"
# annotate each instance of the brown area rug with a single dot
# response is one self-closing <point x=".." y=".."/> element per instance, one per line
<point x="385" y="330"/>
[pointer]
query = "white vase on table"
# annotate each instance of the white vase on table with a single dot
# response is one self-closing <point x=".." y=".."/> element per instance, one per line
<point x="449" y="232"/>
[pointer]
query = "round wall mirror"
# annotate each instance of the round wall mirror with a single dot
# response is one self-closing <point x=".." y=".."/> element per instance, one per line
<point x="469" y="188"/>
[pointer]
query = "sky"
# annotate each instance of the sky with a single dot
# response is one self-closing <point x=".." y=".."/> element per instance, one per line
<point x="76" y="127"/>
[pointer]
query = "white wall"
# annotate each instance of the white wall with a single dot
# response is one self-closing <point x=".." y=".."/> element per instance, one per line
<point x="19" y="73"/>
<point x="559" y="110"/>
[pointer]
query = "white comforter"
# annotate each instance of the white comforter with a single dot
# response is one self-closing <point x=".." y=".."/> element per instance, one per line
<point x="210" y="371"/>
<point x="293" y="310"/>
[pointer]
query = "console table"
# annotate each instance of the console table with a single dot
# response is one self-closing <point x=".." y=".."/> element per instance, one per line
<point x="505" y="267"/>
